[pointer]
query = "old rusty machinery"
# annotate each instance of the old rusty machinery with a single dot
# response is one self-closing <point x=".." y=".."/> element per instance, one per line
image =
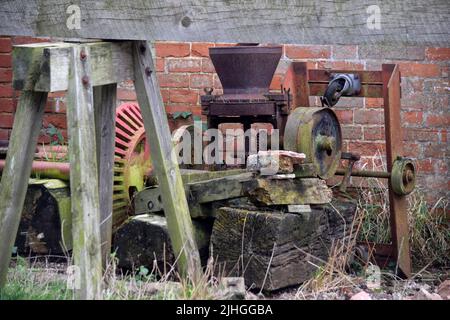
<point x="316" y="132"/>
<point x="132" y="157"/>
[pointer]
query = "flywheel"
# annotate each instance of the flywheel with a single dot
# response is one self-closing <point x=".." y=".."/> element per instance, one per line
<point x="131" y="159"/>
<point x="316" y="132"/>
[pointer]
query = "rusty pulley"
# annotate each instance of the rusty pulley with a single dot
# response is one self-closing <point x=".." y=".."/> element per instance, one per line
<point x="316" y="132"/>
<point x="403" y="176"/>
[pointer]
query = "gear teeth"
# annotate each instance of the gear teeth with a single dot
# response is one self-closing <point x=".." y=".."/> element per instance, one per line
<point x="130" y="134"/>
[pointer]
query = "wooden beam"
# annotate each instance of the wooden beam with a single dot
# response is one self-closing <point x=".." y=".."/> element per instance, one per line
<point x="393" y="131"/>
<point x="165" y="162"/>
<point x="14" y="181"/>
<point x="84" y="175"/>
<point x="105" y="124"/>
<point x="402" y="22"/>
<point x="111" y="62"/>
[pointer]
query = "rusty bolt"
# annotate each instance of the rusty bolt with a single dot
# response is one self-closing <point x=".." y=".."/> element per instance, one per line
<point x="148" y="71"/>
<point x="85" y="80"/>
<point x="83" y="55"/>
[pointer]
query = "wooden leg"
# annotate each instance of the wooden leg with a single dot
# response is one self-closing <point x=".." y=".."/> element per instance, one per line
<point x="84" y="176"/>
<point x="398" y="204"/>
<point x="105" y="122"/>
<point x="14" y="183"/>
<point x="165" y="162"/>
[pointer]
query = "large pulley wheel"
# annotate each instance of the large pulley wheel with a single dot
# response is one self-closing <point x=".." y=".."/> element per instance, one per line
<point x="316" y="132"/>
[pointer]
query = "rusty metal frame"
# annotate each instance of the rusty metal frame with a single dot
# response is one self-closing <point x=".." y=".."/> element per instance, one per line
<point x="374" y="84"/>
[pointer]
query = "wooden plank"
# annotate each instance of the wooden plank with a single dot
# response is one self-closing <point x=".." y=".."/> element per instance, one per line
<point x="402" y="22"/>
<point x="15" y="175"/>
<point x="164" y="162"/>
<point x="111" y="62"/>
<point x="105" y="123"/>
<point x="84" y="176"/>
<point x="393" y="131"/>
<point x="269" y="192"/>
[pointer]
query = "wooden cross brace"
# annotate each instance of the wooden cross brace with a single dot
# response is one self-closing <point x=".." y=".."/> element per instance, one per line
<point x="90" y="73"/>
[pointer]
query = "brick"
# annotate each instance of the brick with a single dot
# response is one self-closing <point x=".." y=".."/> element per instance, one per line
<point x="126" y="94"/>
<point x="4" y="134"/>
<point x="367" y="148"/>
<point x="344" y="116"/>
<point x="347" y="102"/>
<point x="201" y="49"/>
<point x="165" y="95"/>
<point x="183" y="96"/>
<point x="201" y="80"/>
<point x="207" y="66"/>
<point x="444" y="136"/>
<point x="344" y="52"/>
<point x="308" y="52"/>
<point x="368" y="116"/>
<point x="437" y="54"/>
<point x="343" y="65"/>
<point x="184" y="65"/>
<point x="6" y="120"/>
<point x="172" y="49"/>
<point x="160" y="65"/>
<point x="412" y="118"/>
<point x="373" y="102"/>
<point x="374" y="133"/>
<point x="5" y="75"/>
<point x="173" y="80"/>
<point x="436" y="86"/>
<point x="27" y="40"/>
<point x="425" y="165"/>
<point x="5" y="60"/>
<point x="276" y="82"/>
<point x="411" y="149"/>
<point x="6" y="91"/>
<point x="395" y="52"/>
<point x="352" y="132"/>
<point x="58" y="120"/>
<point x="435" y="150"/>
<point x="420" y="135"/>
<point x="412" y="85"/>
<point x="424" y="70"/>
<point x="172" y="108"/>
<point x="217" y="83"/>
<point x="435" y="120"/>
<point x="7" y="105"/>
<point x="5" y="45"/>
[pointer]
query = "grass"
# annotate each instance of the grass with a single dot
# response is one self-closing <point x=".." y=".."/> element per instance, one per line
<point x="429" y="241"/>
<point x="32" y="282"/>
<point x="41" y="279"/>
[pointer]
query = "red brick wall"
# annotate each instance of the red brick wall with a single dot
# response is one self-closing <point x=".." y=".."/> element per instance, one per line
<point x="184" y="69"/>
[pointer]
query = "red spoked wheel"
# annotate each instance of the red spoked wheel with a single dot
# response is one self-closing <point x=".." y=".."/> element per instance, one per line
<point x="132" y="159"/>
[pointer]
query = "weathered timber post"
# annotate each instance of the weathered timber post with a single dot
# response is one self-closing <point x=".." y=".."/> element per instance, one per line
<point x="84" y="175"/>
<point x="165" y="162"/>
<point x="105" y="118"/>
<point x="393" y="128"/>
<point x="14" y="183"/>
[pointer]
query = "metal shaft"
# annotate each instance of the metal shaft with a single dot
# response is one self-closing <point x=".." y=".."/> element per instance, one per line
<point x="365" y="173"/>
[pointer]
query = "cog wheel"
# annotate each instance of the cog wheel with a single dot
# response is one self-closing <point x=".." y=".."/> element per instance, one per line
<point x="131" y="160"/>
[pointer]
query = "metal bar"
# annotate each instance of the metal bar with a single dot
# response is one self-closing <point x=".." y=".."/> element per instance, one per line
<point x="365" y="173"/>
<point x="393" y="133"/>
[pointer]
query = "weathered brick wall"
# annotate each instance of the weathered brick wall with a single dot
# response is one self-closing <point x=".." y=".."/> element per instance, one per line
<point x="184" y="69"/>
